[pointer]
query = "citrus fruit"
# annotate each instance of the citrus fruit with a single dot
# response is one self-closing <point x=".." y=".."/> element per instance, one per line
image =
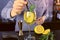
<point x="29" y="17"/>
<point x="39" y="29"/>
<point x="46" y="31"/>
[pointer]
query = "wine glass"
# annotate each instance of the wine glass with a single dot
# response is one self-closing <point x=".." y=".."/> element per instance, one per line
<point x="29" y="18"/>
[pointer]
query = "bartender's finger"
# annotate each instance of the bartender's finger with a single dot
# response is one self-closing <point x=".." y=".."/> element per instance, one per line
<point x="21" y="1"/>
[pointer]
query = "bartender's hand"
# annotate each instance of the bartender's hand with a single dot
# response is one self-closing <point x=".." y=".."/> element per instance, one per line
<point x="40" y="20"/>
<point x="18" y="7"/>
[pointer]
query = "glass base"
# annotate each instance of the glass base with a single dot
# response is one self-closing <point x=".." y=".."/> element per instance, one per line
<point x="29" y="38"/>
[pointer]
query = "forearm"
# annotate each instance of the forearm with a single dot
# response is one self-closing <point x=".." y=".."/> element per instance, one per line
<point x="45" y="13"/>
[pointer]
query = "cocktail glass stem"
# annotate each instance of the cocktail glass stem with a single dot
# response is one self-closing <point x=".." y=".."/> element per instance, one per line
<point x="29" y="30"/>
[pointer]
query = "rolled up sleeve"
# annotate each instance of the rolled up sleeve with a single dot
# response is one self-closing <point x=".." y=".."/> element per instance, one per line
<point x="46" y="9"/>
<point x="49" y="11"/>
<point x="5" y="14"/>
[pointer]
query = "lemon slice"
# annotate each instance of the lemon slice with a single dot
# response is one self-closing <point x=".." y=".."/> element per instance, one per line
<point x="39" y="29"/>
<point x="29" y="17"/>
<point x="46" y="31"/>
<point x="25" y="16"/>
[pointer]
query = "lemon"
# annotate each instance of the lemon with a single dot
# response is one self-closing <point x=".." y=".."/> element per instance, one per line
<point x="39" y="29"/>
<point x="46" y="31"/>
<point x="28" y="17"/>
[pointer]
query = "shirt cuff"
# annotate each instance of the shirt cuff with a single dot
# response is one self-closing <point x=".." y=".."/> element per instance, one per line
<point x="9" y="15"/>
<point x="58" y="16"/>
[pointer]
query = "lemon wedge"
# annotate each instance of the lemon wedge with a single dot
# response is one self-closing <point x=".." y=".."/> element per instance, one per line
<point x="39" y="29"/>
<point x="46" y="31"/>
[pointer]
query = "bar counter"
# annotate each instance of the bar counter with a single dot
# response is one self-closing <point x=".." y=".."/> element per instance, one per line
<point x="9" y="27"/>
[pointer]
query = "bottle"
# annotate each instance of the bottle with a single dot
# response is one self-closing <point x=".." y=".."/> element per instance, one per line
<point x="20" y="34"/>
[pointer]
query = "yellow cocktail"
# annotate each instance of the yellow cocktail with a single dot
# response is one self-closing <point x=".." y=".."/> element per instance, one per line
<point x="29" y="17"/>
